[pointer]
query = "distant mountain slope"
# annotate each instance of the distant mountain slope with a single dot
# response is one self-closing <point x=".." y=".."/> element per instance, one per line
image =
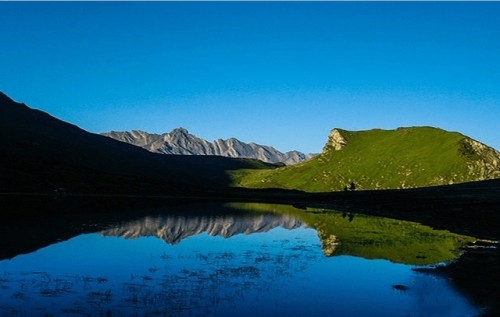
<point x="41" y="153"/>
<point x="380" y="159"/>
<point x="180" y="141"/>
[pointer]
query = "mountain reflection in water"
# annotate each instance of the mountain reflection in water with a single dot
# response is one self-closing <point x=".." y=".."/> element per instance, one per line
<point x="258" y="260"/>
<point x="174" y="228"/>
<point x="365" y="236"/>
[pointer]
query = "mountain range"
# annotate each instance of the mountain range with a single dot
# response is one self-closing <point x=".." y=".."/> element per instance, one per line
<point x="180" y="141"/>
<point x="41" y="153"/>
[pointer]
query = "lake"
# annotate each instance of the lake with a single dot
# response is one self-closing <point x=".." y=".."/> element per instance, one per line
<point x="237" y="260"/>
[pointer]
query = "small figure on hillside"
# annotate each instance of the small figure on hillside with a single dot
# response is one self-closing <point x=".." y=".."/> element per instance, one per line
<point x="346" y="189"/>
<point x="353" y="186"/>
<point x="351" y="216"/>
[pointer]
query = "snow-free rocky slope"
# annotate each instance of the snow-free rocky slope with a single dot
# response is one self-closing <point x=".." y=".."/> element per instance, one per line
<point x="180" y="141"/>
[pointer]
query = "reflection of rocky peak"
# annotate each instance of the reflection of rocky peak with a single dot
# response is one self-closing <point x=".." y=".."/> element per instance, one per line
<point x="329" y="242"/>
<point x="173" y="228"/>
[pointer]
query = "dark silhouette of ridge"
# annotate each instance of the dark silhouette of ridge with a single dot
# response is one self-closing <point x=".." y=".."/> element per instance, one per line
<point x="42" y="153"/>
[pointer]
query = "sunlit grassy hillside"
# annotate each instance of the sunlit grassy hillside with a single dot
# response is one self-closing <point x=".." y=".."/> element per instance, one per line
<point x="380" y="159"/>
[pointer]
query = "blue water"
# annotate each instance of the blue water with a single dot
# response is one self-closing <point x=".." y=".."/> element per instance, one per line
<point x="281" y="272"/>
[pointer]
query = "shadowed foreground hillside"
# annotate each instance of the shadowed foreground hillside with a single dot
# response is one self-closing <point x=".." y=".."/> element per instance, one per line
<point x="41" y="153"/>
<point x="382" y="159"/>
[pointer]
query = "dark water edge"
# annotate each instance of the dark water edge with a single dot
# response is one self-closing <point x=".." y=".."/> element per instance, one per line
<point x="30" y="222"/>
<point x="475" y="274"/>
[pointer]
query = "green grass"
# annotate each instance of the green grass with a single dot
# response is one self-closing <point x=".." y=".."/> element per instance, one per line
<point x="373" y="237"/>
<point x="379" y="159"/>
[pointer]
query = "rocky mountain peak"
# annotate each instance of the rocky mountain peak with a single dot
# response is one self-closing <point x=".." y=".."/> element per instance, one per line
<point x="180" y="141"/>
<point x="179" y="131"/>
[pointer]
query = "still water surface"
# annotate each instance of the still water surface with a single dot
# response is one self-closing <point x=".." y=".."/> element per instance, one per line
<point x="238" y="264"/>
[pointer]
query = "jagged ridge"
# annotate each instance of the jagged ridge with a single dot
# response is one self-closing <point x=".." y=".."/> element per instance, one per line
<point x="180" y="141"/>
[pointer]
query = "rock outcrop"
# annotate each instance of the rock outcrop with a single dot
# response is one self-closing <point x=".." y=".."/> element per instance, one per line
<point x="336" y="141"/>
<point x="484" y="160"/>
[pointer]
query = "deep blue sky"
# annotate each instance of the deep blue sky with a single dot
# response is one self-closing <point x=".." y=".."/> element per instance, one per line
<point x="275" y="73"/>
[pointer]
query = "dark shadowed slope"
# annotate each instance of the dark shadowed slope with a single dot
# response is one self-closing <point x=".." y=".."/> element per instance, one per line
<point x="41" y="153"/>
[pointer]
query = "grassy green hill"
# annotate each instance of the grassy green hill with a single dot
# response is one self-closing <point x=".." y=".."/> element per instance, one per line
<point x="381" y="159"/>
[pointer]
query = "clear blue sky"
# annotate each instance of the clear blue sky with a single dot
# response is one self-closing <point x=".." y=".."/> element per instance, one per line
<point x="275" y="73"/>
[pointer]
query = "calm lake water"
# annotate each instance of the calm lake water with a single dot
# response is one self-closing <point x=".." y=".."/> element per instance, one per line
<point x="247" y="260"/>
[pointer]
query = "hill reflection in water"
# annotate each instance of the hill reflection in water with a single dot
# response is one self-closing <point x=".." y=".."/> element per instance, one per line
<point x="268" y="262"/>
